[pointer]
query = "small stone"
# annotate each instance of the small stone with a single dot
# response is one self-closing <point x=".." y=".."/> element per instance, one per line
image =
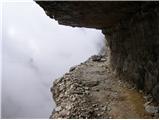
<point x="72" y="86"/>
<point x="87" y="92"/>
<point x="104" y="108"/>
<point x="65" y="92"/>
<point x="96" y="57"/>
<point x="108" y="108"/>
<point x="147" y="103"/>
<point x="96" y="109"/>
<point x="67" y="73"/>
<point x="68" y="113"/>
<point x="64" y="113"/>
<point x="151" y="109"/>
<point x="61" y="87"/>
<point x="97" y="90"/>
<point x="91" y="83"/>
<point x="73" y="99"/>
<point x="103" y="59"/>
<point x="72" y="68"/>
<point x="57" y="109"/>
<point x="51" y="89"/>
<point x="61" y="95"/>
<point x="110" y="117"/>
<point x="68" y="107"/>
<point x="140" y="91"/>
<point x="147" y="97"/>
<point x="60" y="79"/>
<point x="94" y="105"/>
<point x="86" y="88"/>
<point x="101" y="105"/>
<point x="83" y="101"/>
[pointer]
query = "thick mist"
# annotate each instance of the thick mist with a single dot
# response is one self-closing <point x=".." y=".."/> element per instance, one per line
<point x="0" y="53"/>
<point x="35" y="51"/>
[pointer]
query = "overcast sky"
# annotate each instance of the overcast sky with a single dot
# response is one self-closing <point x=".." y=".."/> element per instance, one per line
<point x="35" y="51"/>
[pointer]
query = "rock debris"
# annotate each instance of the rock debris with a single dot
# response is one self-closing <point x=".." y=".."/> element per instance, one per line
<point x="91" y="90"/>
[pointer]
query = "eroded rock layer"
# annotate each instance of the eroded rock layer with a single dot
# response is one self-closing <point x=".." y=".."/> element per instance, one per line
<point x="95" y="14"/>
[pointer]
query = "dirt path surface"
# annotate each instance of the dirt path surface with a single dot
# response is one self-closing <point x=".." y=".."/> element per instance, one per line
<point x="91" y="90"/>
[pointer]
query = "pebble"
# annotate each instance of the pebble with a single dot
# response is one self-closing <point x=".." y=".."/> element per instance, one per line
<point x="57" y="109"/>
<point x="97" y="90"/>
<point x="87" y="92"/>
<point x="94" y="105"/>
<point x="51" y="89"/>
<point x="104" y="108"/>
<point x="151" y="109"/>
<point x="61" y="96"/>
<point x="147" y="97"/>
<point x="140" y="91"/>
<point x="110" y="117"/>
<point x="72" y="68"/>
<point x="96" y="58"/>
<point x="73" y="99"/>
<point x="86" y="88"/>
<point x="66" y="74"/>
<point x="91" y="83"/>
<point x="61" y="87"/>
<point x="68" y="107"/>
<point x="103" y="59"/>
<point x="96" y="108"/>
<point x="108" y="108"/>
<point x="147" y="103"/>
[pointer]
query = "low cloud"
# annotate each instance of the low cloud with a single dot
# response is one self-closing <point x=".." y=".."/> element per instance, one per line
<point x="35" y="51"/>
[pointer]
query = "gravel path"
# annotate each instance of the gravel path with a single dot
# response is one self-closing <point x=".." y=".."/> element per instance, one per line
<point x="91" y="90"/>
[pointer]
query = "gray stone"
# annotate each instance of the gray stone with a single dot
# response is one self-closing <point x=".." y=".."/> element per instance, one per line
<point x="147" y="97"/>
<point x="104" y="108"/>
<point x="86" y="88"/>
<point x="151" y="109"/>
<point x="68" y="107"/>
<point x="108" y="108"/>
<point x="57" y="109"/>
<point x="110" y="117"/>
<point x="72" y="68"/>
<point x="96" y="57"/>
<point x="96" y="109"/>
<point x="87" y="92"/>
<point x="91" y="83"/>
<point x="103" y="59"/>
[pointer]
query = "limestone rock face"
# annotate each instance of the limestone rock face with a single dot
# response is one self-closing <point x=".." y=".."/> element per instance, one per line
<point x="134" y="49"/>
<point x="97" y="14"/>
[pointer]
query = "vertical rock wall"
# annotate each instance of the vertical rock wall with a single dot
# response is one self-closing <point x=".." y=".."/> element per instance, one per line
<point x="134" y="47"/>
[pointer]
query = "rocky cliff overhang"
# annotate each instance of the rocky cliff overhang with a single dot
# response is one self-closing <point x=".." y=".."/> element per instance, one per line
<point x="131" y="29"/>
<point x="93" y="14"/>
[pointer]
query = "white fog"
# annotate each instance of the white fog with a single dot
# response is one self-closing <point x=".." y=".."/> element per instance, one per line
<point x="35" y="51"/>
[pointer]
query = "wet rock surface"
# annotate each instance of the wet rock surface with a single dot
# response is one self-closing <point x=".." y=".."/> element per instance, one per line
<point x="92" y="90"/>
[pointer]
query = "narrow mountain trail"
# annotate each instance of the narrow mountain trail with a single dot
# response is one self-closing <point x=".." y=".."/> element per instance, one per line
<point x="91" y="90"/>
